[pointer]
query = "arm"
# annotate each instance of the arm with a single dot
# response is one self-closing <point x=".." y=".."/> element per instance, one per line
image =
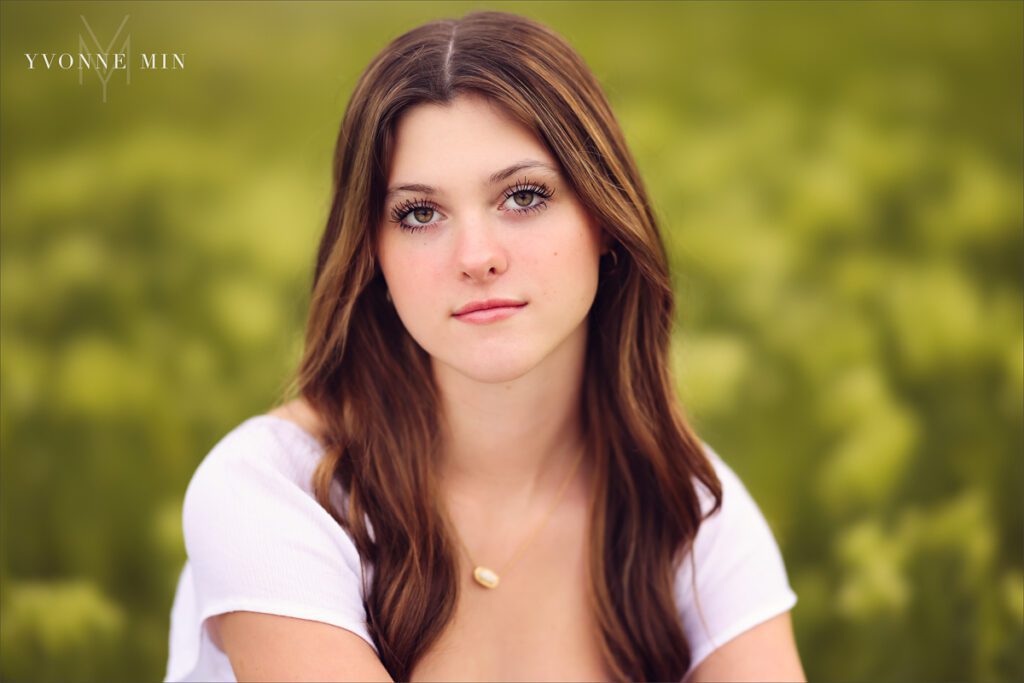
<point x="267" y="647"/>
<point x="766" y="652"/>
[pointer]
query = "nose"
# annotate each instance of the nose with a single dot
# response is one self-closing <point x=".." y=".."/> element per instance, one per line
<point x="479" y="254"/>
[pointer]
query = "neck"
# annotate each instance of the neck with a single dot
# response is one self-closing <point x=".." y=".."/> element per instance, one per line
<point x="509" y="446"/>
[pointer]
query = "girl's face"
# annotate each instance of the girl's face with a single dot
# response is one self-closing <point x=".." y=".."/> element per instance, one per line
<point x="477" y="210"/>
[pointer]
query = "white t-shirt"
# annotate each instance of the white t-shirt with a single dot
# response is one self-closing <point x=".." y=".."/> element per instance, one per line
<point x="257" y="540"/>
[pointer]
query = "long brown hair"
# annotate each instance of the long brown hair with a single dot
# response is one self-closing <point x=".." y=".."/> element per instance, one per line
<point x="371" y="384"/>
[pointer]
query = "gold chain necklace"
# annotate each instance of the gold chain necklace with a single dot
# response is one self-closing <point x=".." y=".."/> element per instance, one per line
<point x="489" y="578"/>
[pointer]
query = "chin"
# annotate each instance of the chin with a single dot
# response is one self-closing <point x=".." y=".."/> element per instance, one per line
<point x="491" y="367"/>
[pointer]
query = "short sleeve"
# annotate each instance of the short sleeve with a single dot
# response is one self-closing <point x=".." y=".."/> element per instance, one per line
<point x="740" y="575"/>
<point x="258" y="541"/>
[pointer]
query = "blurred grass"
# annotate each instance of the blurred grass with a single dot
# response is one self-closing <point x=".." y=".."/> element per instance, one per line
<point x="840" y="187"/>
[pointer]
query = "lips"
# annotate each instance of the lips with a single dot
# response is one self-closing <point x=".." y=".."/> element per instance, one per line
<point x="488" y="304"/>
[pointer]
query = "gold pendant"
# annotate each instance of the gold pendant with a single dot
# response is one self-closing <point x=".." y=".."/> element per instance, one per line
<point x="487" y="578"/>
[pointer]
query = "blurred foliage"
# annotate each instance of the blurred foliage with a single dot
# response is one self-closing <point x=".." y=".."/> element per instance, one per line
<point x="840" y="189"/>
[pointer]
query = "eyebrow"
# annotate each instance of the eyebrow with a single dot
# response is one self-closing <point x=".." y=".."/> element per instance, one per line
<point x="495" y="177"/>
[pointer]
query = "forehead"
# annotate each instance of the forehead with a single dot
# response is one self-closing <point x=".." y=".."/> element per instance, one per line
<point x="470" y="133"/>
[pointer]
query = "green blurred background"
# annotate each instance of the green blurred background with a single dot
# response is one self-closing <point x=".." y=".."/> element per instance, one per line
<point x="840" y="187"/>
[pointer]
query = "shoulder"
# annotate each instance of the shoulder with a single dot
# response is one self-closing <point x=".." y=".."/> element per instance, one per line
<point x="253" y="528"/>
<point x="735" y="577"/>
<point x="739" y="520"/>
<point x="735" y="495"/>
<point x="257" y="539"/>
<point x="301" y="414"/>
<point x="261" y="448"/>
<point x="254" y="490"/>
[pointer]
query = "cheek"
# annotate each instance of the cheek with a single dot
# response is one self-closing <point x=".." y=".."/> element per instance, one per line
<point x="565" y="279"/>
<point x="414" y="280"/>
<point x="399" y="266"/>
<point x="573" y="259"/>
<point x="411" y="282"/>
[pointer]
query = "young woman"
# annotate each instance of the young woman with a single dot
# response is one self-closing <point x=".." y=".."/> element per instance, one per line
<point x="486" y="474"/>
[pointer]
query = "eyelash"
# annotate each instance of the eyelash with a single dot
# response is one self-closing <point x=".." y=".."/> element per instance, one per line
<point x="402" y="210"/>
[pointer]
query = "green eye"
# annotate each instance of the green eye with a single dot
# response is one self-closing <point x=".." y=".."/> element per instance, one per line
<point x="421" y="212"/>
<point x="527" y="196"/>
